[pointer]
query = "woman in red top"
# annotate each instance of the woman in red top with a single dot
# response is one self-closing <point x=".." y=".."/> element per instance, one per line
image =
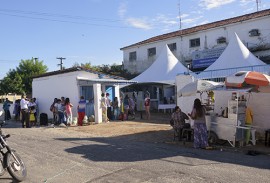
<point x="147" y="106"/>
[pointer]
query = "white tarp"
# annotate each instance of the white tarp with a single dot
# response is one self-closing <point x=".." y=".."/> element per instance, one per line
<point x="163" y="70"/>
<point x="235" y="55"/>
<point x="198" y="86"/>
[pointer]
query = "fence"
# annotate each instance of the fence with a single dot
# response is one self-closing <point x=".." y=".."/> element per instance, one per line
<point x="221" y="74"/>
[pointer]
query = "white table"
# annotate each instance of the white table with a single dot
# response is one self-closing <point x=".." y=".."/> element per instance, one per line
<point x="166" y="106"/>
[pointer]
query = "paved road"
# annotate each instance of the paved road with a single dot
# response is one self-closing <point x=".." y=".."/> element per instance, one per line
<point x="59" y="155"/>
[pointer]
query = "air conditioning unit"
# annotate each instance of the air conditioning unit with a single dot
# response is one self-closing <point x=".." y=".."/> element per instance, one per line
<point x="254" y="32"/>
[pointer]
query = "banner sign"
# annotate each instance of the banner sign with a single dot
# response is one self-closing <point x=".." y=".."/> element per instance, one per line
<point x="205" y="58"/>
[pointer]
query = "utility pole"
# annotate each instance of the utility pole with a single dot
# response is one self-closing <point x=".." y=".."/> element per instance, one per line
<point x="61" y="62"/>
<point x="258" y="2"/>
<point x="179" y="14"/>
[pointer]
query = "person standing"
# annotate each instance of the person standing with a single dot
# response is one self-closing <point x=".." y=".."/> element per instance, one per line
<point x="17" y="109"/>
<point x="24" y="111"/>
<point x="37" y="107"/>
<point x="115" y="105"/>
<point x="32" y="110"/>
<point x="60" y="111"/>
<point x="6" y="106"/>
<point x="81" y="110"/>
<point x="109" y="109"/>
<point x="53" y="109"/>
<point x="200" y="130"/>
<point x="68" y="107"/>
<point x="104" y="108"/>
<point x="249" y="121"/>
<point x="147" y="106"/>
<point x="131" y="107"/>
<point x="63" y="109"/>
<point x="126" y="107"/>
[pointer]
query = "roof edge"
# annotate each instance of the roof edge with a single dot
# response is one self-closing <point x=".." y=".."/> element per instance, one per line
<point x="202" y="27"/>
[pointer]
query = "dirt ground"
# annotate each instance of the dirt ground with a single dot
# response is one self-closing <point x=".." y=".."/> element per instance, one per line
<point x="157" y="129"/>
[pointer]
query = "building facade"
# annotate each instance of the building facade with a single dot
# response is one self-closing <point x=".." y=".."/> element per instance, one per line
<point x="198" y="47"/>
<point x="74" y="83"/>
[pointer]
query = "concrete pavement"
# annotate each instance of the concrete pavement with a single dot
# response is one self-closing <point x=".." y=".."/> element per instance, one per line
<point x="69" y="155"/>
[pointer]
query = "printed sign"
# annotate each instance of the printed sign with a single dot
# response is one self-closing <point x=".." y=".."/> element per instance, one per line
<point x="205" y="58"/>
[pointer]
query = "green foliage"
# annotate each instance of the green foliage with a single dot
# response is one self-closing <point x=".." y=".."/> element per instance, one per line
<point x="20" y="80"/>
<point x="114" y="69"/>
<point x="12" y="83"/>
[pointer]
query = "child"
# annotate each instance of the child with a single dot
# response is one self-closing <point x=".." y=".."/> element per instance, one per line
<point x="32" y="117"/>
<point x="68" y="106"/>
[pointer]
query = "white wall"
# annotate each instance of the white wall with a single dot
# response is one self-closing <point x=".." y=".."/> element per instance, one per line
<point x="45" y="89"/>
<point x="184" y="52"/>
<point x="259" y="103"/>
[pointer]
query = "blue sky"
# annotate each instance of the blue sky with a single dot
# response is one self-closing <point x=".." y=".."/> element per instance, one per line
<point x="94" y="30"/>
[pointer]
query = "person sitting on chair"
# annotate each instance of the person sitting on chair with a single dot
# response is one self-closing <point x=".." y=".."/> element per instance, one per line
<point x="179" y="118"/>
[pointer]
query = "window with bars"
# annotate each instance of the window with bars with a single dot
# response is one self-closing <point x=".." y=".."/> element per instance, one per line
<point x="133" y="56"/>
<point x="254" y="32"/>
<point x="194" y="42"/>
<point x="172" y="46"/>
<point x="221" y="40"/>
<point x="151" y="52"/>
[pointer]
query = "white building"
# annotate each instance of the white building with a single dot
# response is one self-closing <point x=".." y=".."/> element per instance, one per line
<point x="200" y="46"/>
<point x="73" y="83"/>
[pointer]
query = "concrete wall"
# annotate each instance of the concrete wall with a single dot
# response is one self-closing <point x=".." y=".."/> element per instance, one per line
<point x="208" y="40"/>
<point x="45" y="89"/>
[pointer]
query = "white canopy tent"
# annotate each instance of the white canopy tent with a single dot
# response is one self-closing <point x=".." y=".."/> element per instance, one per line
<point x="236" y="55"/>
<point x="163" y="70"/>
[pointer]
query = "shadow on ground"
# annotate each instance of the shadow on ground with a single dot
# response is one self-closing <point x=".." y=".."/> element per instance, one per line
<point x="132" y="148"/>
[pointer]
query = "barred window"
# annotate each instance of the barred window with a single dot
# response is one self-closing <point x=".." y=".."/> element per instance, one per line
<point x="194" y="42"/>
<point x="221" y="40"/>
<point x="172" y="46"/>
<point x="151" y="52"/>
<point x="132" y="56"/>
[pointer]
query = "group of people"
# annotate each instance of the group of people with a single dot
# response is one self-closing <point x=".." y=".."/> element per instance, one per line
<point x="25" y="110"/>
<point x="198" y="115"/>
<point x="28" y="110"/>
<point x="122" y="109"/>
<point x="61" y="109"/>
<point x="117" y="109"/>
<point x="111" y="110"/>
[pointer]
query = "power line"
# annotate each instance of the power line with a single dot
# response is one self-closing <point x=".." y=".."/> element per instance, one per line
<point x="64" y="21"/>
<point x="61" y="18"/>
<point x="59" y="15"/>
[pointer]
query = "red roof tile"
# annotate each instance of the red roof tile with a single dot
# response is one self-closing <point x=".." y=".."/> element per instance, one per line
<point x="203" y="27"/>
<point x="73" y="69"/>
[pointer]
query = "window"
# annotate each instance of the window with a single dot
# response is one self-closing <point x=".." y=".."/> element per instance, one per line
<point x="172" y="46"/>
<point x="151" y="52"/>
<point x="132" y="56"/>
<point x="254" y="32"/>
<point x="221" y="40"/>
<point x="194" y="42"/>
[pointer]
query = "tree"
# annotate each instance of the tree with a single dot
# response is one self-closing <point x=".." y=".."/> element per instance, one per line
<point x="12" y="83"/>
<point x="19" y="80"/>
<point x="114" y="69"/>
<point x="29" y="68"/>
